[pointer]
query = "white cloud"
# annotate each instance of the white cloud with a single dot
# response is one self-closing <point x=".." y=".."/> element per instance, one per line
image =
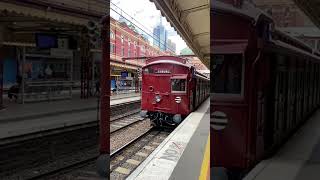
<point x="148" y="17"/>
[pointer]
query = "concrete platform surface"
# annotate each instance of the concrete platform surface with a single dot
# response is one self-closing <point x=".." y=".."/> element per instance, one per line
<point x="299" y="159"/>
<point x="181" y="154"/>
<point x="21" y="127"/>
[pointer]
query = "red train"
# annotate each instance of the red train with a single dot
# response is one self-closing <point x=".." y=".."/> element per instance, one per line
<point x="264" y="85"/>
<point x="171" y="89"/>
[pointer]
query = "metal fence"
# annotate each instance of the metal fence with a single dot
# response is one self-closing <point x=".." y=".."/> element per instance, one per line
<point x="46" y="91"/>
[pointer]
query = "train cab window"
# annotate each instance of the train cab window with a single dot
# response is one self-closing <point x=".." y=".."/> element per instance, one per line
<point x="178" y="85"/>
<point x="227" y="73"/>
<point x="148" y="70"/>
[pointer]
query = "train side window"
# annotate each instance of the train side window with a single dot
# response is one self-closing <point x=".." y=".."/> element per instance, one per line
<point x="178" y="85"/>
<point x="227" y="73"/>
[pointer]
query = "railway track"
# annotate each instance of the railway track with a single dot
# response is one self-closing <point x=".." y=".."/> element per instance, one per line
<point x="42" y="154"/>
<point x="86" y="169"/>
<point x="66" y="169"/>
<point x="128" y="157"/>
<point x="124" y="122"/>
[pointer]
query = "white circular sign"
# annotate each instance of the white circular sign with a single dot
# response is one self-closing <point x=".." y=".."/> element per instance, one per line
<point x="218" y="120"/>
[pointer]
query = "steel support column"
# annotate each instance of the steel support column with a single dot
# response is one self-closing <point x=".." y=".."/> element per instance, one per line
<point x="85" y="64"/>
<point x="104" y="139"/>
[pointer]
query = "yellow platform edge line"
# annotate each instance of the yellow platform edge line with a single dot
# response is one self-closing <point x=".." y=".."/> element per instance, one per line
<point x="205" y="167"/>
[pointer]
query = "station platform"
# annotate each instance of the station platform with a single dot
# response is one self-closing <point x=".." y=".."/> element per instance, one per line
<point x="184" y="154"/>
<point x="298" y="159"/>
<point x="19" y="119"/>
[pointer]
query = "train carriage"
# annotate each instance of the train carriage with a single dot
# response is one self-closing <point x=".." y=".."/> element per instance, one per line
<point x="265" y="84"/>
<point x="171" y="89"/>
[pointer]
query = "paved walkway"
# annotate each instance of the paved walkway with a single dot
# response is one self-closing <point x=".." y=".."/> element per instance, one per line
<point x="299" y="159"/>
<point x="16" y="112"/>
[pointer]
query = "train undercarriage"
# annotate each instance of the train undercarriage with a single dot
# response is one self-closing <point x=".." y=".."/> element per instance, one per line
<point x="161" y="119"/>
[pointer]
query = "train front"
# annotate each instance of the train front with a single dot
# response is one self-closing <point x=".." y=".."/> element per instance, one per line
<point x="165" y="91"/>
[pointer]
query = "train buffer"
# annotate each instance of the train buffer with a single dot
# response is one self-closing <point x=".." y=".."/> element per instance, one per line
<point x="184" y="154"/>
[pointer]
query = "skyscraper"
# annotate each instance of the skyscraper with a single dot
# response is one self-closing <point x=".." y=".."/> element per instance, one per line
<point x="171" y="46"/>
<point x="160" y="36"/>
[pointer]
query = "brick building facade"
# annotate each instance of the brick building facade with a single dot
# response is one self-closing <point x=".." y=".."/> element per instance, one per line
<point x="127" y="43"/>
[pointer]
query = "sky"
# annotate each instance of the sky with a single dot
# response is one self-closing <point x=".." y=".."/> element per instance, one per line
<point x="148" y="17"/>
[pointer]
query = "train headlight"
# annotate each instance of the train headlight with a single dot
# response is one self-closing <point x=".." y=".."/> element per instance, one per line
<point x="158" y="98"/>
<point x="178" y="99"/>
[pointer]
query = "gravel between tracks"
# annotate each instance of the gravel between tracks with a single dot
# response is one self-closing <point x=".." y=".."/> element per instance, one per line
<point x="132" y="156"/>
<point x="121" y="137"/>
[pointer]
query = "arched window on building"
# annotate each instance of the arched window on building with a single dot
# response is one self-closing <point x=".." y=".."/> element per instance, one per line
<point x="122" y="39"/>
<point x="122" y="51"/>
<point x="111" y="35"/>
<point x="112" y="48"/>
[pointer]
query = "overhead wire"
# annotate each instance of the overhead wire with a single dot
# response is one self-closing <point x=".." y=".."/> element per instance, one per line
<point x="135" y="25"/>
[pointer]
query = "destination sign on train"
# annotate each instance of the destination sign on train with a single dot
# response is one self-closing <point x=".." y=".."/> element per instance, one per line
<point x="162" y="71"/>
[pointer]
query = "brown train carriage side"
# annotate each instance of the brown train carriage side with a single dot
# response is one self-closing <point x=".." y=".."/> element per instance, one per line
<point x="264" y="86"/>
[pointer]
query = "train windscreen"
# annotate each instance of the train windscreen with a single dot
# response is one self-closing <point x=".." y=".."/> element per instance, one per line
<point x="227" y="73"/>
<point x="178" y="85"/>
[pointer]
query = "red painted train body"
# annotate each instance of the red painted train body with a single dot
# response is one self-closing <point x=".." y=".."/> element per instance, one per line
<point x="264" y="85"/>
<point x="171" y="89"/>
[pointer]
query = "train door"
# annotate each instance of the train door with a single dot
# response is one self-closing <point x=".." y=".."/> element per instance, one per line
<point x="269" y="103"/>
<point x="305" y="90"/>
<point x="201" y="89"/>
<point x="316" y="85"/>
<point x="194" y="93"/>
<point x="1" y="84"/>
<point x="280" y="98"/>
<point x="262" y="92"/>
<point x="311" y="87"/>
<point x="191" y="86"/>
<point x="318" y="90"/>
<point x="314" y="82"/>
<point x="191" y="100"/>
<point x="290" y="94"/>
<point x="299" y="98"/>
<point x="198" y="92"/>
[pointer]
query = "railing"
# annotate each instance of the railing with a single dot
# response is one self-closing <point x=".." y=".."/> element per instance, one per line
<point x="125" y="90"/>
<point x="46" y="91"/>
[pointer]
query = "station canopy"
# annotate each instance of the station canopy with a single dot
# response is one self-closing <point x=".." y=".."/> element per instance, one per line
<point x="191" y="19"/>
